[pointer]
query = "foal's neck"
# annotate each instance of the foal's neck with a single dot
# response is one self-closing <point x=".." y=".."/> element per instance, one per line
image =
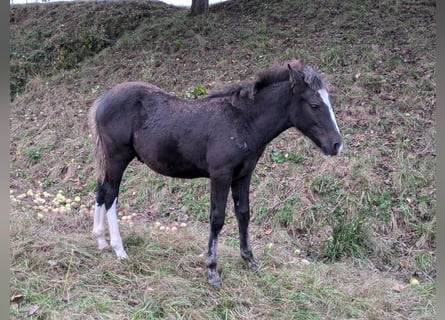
<point x="272" y="106"/>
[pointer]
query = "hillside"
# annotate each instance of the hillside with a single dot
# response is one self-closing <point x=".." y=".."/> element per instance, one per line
<point x="336" y="237"/>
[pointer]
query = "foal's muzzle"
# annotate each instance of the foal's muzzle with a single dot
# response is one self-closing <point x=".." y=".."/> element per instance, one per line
<point x="333" y="148"/>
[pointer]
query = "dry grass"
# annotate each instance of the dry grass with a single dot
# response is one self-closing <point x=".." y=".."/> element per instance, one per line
<point x="365" y="221"/>
<point x="58" y="268"/>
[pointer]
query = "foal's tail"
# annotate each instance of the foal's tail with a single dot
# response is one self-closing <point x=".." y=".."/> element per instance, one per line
<point x="98" y="149"/>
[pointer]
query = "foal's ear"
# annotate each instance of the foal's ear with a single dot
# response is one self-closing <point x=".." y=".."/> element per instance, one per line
<point x="296" y="77"/>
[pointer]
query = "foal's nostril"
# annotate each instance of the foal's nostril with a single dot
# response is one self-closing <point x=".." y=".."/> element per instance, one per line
<point x="338" y="146"/>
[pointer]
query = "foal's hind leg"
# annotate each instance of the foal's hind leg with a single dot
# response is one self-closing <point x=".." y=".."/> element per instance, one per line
<point x="99" y="226"/>
<point x="106" y="202"/>
<point x="240" y="195"/>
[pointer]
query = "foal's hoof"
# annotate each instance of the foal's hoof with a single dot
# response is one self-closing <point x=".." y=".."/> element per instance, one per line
<point x="121" y="255"/>
<point x="253" y="267"/>
<point x="215" y="283"/>
<point x="251" y="264"/>
<point x="102" y="246"/>
<point x="249" y="260"/>
<point x="214" y="280"/>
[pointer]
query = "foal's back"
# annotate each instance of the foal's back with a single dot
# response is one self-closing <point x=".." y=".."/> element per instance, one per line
<point x="174" y="136"/>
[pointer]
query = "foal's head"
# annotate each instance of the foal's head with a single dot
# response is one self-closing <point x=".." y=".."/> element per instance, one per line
<point x="311" y="110"/>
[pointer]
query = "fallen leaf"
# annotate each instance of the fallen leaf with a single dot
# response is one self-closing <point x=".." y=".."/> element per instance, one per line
<point x="17" y="298"/>
<point x="268" y="231"/>
<point x="398" y="287"/>
<point x="305" y="262"/>
<point x="52" y="262"/>
<point x="33" y="310"/>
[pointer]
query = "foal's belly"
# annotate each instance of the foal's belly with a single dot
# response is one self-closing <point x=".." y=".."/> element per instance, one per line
<point x="167" y="159"/>
<point x="177" y="169"/>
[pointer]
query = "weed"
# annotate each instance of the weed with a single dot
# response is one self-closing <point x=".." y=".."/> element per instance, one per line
<point x="151" y="310"/>
<point x="351" y="36"/>
<point x="284" y="215"/>
<point x="280" y="157"/>
<point x="372" y="82"/>
<point x="325" y="185"/>
<point x="425" y="262"/>
<point x="178" y="43"/>
<point x="332" y="58"/>
<point x="195" y="92"/>
<point x="379" y="205"/>
<point x="147" y="73"/>
<point x="393" y="62"/>
<point x="133" y="240"/>
<point x="348" y="240"/>
<point x="34" y="154"/>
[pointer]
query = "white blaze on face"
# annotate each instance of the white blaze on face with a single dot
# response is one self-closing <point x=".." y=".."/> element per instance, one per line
<point x="325" y="97"/>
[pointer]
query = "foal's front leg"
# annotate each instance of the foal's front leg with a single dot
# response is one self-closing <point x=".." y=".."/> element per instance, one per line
<point x="240" y="195"/>
<point x="219" y="190"/>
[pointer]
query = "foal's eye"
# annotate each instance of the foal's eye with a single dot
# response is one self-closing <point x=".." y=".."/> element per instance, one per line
<point x="314" y="105"/>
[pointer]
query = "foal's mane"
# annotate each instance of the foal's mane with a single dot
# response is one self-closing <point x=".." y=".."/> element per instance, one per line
<point x="270" y="77"/>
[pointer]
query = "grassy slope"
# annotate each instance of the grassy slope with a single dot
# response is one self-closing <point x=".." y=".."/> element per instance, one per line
<point x="365" y="220"/>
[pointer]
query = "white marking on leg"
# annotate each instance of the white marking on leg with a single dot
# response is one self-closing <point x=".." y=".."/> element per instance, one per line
<point x="325" y="97"/>
<point x="115" y="237"/>
<point x="211" y="259"/>
<point x="99" y="226"/>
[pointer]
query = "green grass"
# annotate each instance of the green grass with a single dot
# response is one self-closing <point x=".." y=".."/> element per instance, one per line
<point x="165" y="278"/>
<point x="364" y="221"/>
